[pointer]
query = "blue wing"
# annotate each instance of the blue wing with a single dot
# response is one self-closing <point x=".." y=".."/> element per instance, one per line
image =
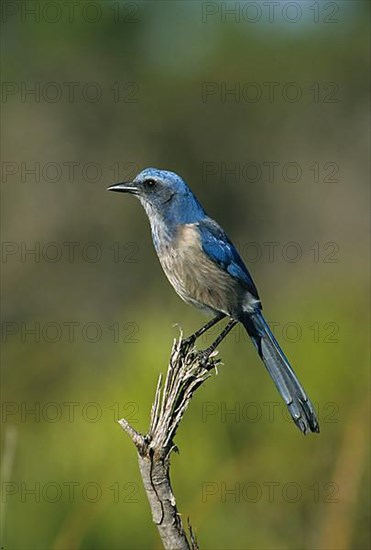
<point x="220" y="250"/>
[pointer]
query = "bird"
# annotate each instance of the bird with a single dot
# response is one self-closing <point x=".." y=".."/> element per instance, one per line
<point x="206" y="271"/>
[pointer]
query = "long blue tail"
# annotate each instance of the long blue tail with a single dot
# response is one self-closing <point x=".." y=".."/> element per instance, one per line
<point x="299" y="405"/>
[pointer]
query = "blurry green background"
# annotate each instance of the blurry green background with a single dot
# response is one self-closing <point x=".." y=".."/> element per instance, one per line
<point x="102" y="309"/>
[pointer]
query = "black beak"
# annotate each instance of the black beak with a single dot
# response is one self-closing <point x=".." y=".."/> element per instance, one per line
<point x="124" y="187"/>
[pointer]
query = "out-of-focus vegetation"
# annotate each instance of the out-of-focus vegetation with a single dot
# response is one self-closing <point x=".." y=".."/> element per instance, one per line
<point x="102" y="310"/>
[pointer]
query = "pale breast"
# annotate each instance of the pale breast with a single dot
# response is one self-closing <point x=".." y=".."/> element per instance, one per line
<point x="196" y="278"/>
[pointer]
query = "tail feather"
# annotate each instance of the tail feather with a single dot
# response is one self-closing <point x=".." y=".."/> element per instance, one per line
<point x="299" y="405"/>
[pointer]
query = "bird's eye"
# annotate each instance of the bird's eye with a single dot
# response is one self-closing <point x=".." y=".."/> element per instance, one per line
<point x="150" y="183"/>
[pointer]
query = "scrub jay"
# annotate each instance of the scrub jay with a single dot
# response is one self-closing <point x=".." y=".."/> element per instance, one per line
<point x="206" y="271"/>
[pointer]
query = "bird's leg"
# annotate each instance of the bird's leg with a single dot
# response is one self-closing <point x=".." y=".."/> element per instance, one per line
<point x="206" y="352"/>
<point x="206" y="327"/>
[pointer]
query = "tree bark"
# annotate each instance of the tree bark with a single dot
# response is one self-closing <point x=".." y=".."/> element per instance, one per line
<point x="187" y="370"/>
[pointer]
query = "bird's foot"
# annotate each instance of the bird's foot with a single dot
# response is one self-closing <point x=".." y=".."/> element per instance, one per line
<point x="190" y="340"/>
<point x="204" y="357"/>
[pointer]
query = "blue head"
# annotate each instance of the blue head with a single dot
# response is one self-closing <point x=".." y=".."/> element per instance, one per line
<point x="165" y="197"/>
